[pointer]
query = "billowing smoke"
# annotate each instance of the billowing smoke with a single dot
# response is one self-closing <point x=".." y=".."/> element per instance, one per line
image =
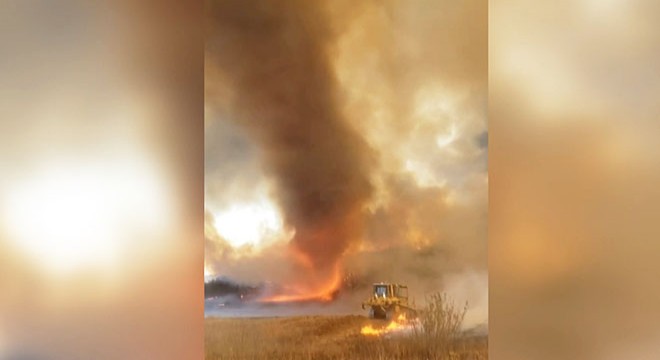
<point x="276" y="58"/>
<point x="365" y="124"/>
<point x="216" y="249"/>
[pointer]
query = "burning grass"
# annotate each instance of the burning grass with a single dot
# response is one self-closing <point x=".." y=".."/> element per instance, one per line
<point x="398" y="326"/>
<point x="434" y="335"/>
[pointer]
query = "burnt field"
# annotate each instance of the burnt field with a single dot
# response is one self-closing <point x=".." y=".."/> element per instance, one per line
<point x="334" y="337"/>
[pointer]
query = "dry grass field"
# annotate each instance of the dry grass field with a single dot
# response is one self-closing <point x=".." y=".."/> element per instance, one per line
<point x="338" y="337"/>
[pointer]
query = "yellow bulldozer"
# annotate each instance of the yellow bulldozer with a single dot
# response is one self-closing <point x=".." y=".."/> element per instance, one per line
<point x="388" y="301"/>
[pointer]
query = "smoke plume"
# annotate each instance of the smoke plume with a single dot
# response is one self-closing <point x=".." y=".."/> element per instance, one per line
<point x="276" y="58"/>
<point x="365" y="125"/>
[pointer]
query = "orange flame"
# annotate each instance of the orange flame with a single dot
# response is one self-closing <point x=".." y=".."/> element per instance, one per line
<point x="395" y="325"/>
<point x="324" y="293"/>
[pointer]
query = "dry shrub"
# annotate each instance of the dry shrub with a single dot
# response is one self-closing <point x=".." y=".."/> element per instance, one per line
<point x="438" y="328"/>
<point x="436" y="335"/>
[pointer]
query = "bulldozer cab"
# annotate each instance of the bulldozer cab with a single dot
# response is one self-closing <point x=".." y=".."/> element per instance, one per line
<point x="381" y="290"/>
<point x="390" y="291"/>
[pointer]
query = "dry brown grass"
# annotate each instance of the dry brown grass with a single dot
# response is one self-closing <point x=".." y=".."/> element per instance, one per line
<point x="436" y="337"/>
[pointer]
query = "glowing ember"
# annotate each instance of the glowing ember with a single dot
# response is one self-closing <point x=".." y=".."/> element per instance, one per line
<point x="394" y="326"/>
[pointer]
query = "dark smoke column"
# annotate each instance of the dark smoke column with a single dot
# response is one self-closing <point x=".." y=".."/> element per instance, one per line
<point x="273" y="59"/>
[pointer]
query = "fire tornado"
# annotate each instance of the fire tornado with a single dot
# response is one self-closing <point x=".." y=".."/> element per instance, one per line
<point x="275" y="57"/>
<point x="345" y="145"/>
